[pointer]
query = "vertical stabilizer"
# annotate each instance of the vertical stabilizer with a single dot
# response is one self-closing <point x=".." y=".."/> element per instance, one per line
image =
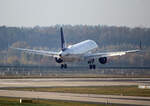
<point x="63" y="46"/>
<point x="140" y="45"/>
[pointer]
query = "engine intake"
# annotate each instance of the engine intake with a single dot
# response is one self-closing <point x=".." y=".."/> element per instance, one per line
<point x="58" y="60"/>
<point x="103" y="60"/>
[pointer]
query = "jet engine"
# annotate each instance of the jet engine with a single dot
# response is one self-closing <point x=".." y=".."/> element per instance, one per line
<point x="58" y="60"/>
<point x="102" y="60"/>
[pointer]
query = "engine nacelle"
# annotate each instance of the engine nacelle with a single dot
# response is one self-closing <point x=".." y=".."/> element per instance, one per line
<point x="103" y="60"/>
<point x="58" y="60"/>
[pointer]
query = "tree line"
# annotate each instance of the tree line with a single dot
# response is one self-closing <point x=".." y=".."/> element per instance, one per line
<point x="109" y="38"/>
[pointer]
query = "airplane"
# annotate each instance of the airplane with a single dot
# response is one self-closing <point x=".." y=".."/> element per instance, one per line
<point x="83" y="51"/>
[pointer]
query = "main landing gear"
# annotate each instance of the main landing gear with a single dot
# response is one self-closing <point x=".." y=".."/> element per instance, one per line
<point x="91" y="64"/>
<point x="63" y="66"/>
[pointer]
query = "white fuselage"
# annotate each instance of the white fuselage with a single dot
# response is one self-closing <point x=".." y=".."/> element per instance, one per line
<point x="75" y="52"/>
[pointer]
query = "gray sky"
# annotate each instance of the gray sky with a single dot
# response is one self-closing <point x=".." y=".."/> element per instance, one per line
<point x="91" y="12"/>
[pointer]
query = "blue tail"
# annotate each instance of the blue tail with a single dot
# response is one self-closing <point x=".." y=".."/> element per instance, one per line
<point x="63" y="46"/>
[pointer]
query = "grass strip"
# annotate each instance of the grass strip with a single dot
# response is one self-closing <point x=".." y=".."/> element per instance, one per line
<point x="106" y="90"/>
<point x="6" y="101"/>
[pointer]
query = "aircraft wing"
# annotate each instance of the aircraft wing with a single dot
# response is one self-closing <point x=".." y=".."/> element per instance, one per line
<point x="39" y="52"/>
<point x="110" y="54"/>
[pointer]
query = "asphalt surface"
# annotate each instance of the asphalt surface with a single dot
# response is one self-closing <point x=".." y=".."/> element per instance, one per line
<point x="57" y="82"/>
<point x="78" y="97"/>
<point x="54" y="82"/>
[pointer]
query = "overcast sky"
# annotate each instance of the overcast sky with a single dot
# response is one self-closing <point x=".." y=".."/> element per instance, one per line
<point x="90" y="12"/>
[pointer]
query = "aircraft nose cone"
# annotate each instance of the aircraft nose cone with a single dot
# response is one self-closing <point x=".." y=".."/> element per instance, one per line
<point x="62" y="54"/>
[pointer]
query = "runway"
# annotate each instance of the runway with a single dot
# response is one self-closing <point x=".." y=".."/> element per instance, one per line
<point x="78" y="97"/>
<point x="56" y="82"/>
<point x="62" y="82"/>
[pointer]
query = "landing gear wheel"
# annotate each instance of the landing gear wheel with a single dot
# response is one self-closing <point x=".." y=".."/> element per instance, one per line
<point x="63" y="66"/>
<point x="94" y="66"/>
<point x="90" y="66"/>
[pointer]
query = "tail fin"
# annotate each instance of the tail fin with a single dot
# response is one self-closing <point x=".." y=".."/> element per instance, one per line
<point x="63" y="45"/>
<point x="140" y="45"/>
